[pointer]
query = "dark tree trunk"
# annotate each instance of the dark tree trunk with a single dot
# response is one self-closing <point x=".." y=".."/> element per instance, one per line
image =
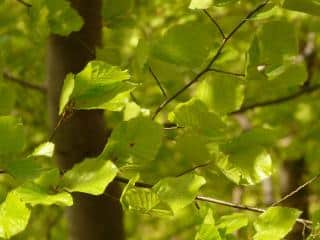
<point x="292" y="174"/>
<point x="84" y="134"/>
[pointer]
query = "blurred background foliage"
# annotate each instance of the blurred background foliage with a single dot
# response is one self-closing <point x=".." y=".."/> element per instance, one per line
<point x="277" y="50"/>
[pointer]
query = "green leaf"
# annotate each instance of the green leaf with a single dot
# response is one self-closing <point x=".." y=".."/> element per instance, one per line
<point x="223" y="2"/>
<point x="98" y="86"/>
<point x="178" y="192"/>
<point x="11" y="135"/>
<point x="66" y="92"/>
<point x="45" y="149"/>
<point x="194" y="115"/>
<point x="49" y="179"/>
<point x="193" y="149"/>
<point x="90" y="176"/>
<point x="246" y="166"/>
<point x="134" y="143"/>
<point x="14" y="216"/>
<point x="143" y="201"/>
<point x="200" y="4"/>
<point x="308" y="6"/>
<point x="208" y="230"/>
<point x="8" y="98"/>
<point x="221" y="93"/>
<point x="275" y="223"/>
<point x="273" y="66"/>
<point x="62" y="18"/>
<point x="22" y="168"/>
<point x="115" y="11"/>
<point x="233" y="222"/>
<point x="34" y="195"/>
<point x="188" y="45"/>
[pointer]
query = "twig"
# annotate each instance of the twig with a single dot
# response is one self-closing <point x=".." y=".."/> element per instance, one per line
<point x="298" y="189"/>
<point x="302" y="221"/>
<point x="7" y="76"/>
<point x="226" y="72"/>
<point x="215" y="23"/>
<point x="173" y="127"/>
<point x="295" y="95"/>
<point x="215" y="58"/>
<point x="163" y="91"/>
<point x="194" y="168"/>
<point x="305" y="222"/>
<point x="28" y="5"/>
<point x="137" y="184"/>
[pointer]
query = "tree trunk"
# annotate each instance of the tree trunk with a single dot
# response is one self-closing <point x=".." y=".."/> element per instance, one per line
<point x="84" y="134"/>
<point x="292" y="173"/>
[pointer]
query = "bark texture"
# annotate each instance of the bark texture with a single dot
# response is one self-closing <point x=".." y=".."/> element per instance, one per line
<point x="292" y="176"/>
<point x="84" y="134"/>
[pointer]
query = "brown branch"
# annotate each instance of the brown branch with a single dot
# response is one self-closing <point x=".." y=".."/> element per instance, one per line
<point x="302" y="221"/>
<point x="7" y="76"/>
<point x="193" y="168"/>
<point x="215" y="23"/>
<point x="298" y="189"/>
<point x="28" y="5"/>
<point x="226" y="72"/>
<point x="301" y="92"/>
<point x="163" y="91"/>
<point x="213" y="60"/>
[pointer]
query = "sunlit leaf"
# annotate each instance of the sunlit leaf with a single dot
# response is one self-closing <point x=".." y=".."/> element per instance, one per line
<point x="134" y="143"/>
<point x="45" y="149"/>
<point x="208" y="230"/>
<point x="90" y="176"/>
<point x="178" y="192"/>
<point x="14" y="216"/>
<point x="275" y="223"/>
<point x="34" y="195"/>
<point x="98" y="86"/>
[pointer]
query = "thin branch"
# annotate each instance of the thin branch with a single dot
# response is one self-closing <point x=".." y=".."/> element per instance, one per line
<point x="28" y="5"/>
<point x="213" y="60"/>
<point x="302" y="221"/>
<point x="226" y="72"/>
<point x="2" y="171"/>
<point x="301" y="92"/>
<point x="137" y="184"/>
<point x="305" y="222"/>
<point x="173" y="127"/>
<point x="298" y="189"/>
<point x="215" y="23"/>
<point x="193" y="169"/>
<point x="7" y="76"/>
<point x="163" y="91"/>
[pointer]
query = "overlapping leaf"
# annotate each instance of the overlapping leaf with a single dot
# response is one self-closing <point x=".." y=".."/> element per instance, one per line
<point x="187" y="45"/>
<point x="208" y="229"/>
<point x="194" y="115"/>
<point x="275" y="223"/>
<point x="34" y="195"/>
<point x="90" y="176"/>
<point x="134" y="143"/>
<point x="98" y="86"/>
<point x="180" y="191"/>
